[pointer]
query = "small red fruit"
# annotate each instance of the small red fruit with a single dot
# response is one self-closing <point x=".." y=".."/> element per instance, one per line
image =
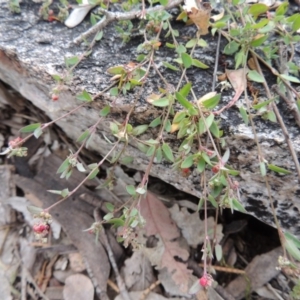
<point x="215" y="169"/>
<point x="203" y="281"/>
<point x="54" y="97"/>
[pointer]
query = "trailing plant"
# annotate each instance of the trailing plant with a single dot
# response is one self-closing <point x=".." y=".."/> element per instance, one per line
<point x="250" y="31"/>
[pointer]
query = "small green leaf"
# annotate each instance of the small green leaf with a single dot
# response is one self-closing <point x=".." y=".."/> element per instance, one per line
<point x="186" y="60"/>
<point x="231" y="48"/>
<point x="244" y="115"/>
<point x="63" y="166"/>
<point x="108" y="216"/>
<point x="212" y="102"/>
<point x="56" y="192"/>
<point x="141" y="190"/>
<point x="197" y="63"/>
<point x="162" y="102"/>
<point x="131" y="190"/>
<point x="238" y="206"/>
<point x="214" y="129"/>
<point x="201" y="165"/>
<point x="219" y="252"/>
<point x="262" y="104"/>
<point x="126" y="160"/>
<point x="188" y="162"/>
<point x="290" y="78"/>
<point x="150" y="151"/>
<point x="56" y="77"/>
<point x="34" y="210"/>
<point x="38" y="132"/>
<point x="213" y="201"/>
<point x="65" y="193"/>
<point x="271" y="116"/>
<point x="158" y="155"/>
<point x="291" y="247"/>
<point x="94" y="173"/>
<point x="83" y="136"/>
<point x="263" y="170"/>
<point x="80" y="167"/>
<point x="282" y="8"/>
<point x="268" y="28"/>
<point x="117" y="222"/>
<point x="116" y="70"/>
<point x="139" y="130"/>
<point x="99" y="36"/>
<point x="293" y="238"/>
<point x="167" y="151"/>
<point x="84" y="96"/>
<point x="259" y="41"/>
<point x="104" y="111"/>
<point x="155" y="122"/>
<point x="255" y="76"/>
<point x="114" y="91"/>
<point x="30" y="128"/>
<point x="202" y="43"/>
<point x="184" y="91"/>
<point x="182" y="100"/>
<point x="191" y="43"/>
<point x="278" y="169"/>
<point x="109" y="206"/>
<point x="170" y="66"/>
<point x="180" y="49"/>
<point x="258" y="9"/>
<point x="71" y="61"/>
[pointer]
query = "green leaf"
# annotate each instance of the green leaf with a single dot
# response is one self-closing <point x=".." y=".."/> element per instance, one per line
<point x="197" y="63"/>
<point x="200" y="204"/>
<point x="158" y="155"/>
<point x="202" y="43"/>
<point x="30" y="128"/>
<point x="109" y="206"/>
<point x="34" y="210"/>
<point x="184" y="91"/>
<point x="240" y="58"/>
<point x="65" y="193"/>
<point x="213" y="201"/>
<point x="162" y="102"/>
<point x="150" y="151"/>
<point x="56" y="77"/>
<point x="116" y="70"/>
<point x="131" y="190"/>
<point x="212" y="102"/>
<point x="182" y="100"/>
<point x="259" y="41"/>
<point x="114" y="91"/>
<point x="278" y="169"/>
<point x="99" y="36"/>
<point x="262" y="104"/>
<point x="214" y="129"/>
<point x="108" y="216"/>
<point x="155" y="122"/>
<point x="269" y="27"/>
<point x="84" y="96"/>
<point x="38" y="132"/>
<point x="282" y="8"/>
<point x="219" y="252"/>
<point x="126" y="160"/>
<point x="180" y="49"/>
<point x="117" y="222"/>
<point x="83" y="136"/>
<point x="188" y="162"/>
<point x="258" y="9"/>
<point x="291" y="247"/>
<point x="244" y="115"/>
<point x="56" y="192"/>
<point x="191" y="43"/>
<point x="271" y="116"/>
<point x="104" y="111"/>
<point x="186" y="60"/>
<point x="201" y="124"/>
<point x="167" y="151"/>
<point x="141" y="190"/>
<point x="139" y="130"/>
<point x="94" y="173"/>
<point x="80" y="167"/>
<point x="255" y="76"/>
<point x="231" y="48"/>
<point x="263" y="170"/>
<point x="238" y="206"/>
<point x="290" y="78"/>
<point x="71" y="61"/>
<point x="201" y="165"/>
<point x="293" y="238"/>
<point x="169" y="66"/>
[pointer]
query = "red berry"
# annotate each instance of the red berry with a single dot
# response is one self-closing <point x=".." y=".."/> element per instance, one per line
<point x="215" y="169"/>
<point x="54" y="97"/>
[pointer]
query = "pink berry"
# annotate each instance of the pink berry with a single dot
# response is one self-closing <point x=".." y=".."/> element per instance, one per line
<point x="204" y="281"/>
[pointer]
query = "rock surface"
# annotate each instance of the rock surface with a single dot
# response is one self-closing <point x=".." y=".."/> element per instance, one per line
<point x="32" y="50"/>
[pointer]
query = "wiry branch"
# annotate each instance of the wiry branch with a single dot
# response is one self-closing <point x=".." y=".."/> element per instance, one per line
<point x="119" y="16"/>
